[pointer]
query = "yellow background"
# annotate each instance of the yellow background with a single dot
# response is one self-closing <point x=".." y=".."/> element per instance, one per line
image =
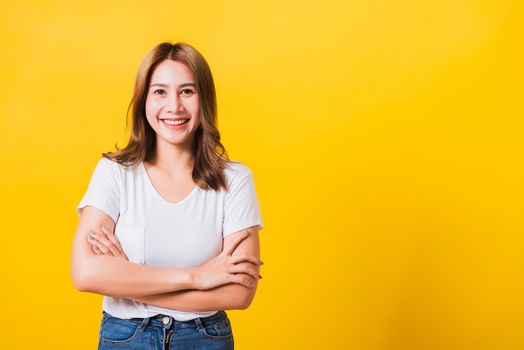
<point x="385" y="138"/>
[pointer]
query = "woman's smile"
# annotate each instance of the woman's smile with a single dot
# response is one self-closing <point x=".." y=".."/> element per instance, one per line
<point x="175" y="123"/>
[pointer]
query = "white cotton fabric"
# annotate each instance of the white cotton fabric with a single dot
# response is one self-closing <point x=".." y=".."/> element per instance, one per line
<point x="155" y="232"/>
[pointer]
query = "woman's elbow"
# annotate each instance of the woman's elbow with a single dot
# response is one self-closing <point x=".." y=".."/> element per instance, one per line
<point x="82" y="277"/>
<point x="246" y="298"/>
<point x="79" y="281"/>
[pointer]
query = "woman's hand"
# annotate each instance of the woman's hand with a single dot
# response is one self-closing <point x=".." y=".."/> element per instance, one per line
<point x="105" y="243"/>
<point x="223" y="268"/>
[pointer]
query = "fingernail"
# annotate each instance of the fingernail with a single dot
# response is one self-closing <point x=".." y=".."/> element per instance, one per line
<point x="105" y="227"/>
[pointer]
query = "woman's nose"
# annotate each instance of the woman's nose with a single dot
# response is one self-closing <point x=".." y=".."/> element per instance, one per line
<point x="173" y="103"/>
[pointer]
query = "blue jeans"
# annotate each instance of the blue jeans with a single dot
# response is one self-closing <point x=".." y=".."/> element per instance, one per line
<point x="162" y="332"/>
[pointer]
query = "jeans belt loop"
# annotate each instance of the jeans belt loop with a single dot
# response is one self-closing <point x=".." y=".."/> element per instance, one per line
<point x="199" y="324"/>
<point x="144" y="323"/>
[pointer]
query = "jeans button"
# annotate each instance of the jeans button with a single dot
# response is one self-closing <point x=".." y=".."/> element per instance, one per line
<point x="165" y="319"/>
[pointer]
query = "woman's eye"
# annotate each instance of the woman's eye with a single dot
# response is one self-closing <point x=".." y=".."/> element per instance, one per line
<point x="159" y="91"/>
<point x="186" y="92"/>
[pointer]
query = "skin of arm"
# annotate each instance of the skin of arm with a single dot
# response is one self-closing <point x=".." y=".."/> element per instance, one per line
<point x="226" y="297"/>
<point x="117" y="277"/>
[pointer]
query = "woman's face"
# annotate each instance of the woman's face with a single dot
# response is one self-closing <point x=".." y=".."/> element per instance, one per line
<point x="172" y="104"/>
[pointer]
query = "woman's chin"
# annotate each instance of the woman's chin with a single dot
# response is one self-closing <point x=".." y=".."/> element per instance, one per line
<point x="179" y="141"/>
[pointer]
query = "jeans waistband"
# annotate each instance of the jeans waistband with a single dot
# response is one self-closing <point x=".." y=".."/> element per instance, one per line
<point x="166" y="321"/>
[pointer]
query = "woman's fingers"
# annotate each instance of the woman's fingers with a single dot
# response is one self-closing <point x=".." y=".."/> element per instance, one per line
<point x="248" y="269"/>
<point x="95" y="249"/>
<point x="103" y="243"/>
<point x="113" y="239"/>
<point x="235" y="259"/>
<point x="91" y="239"/>
<point x="243" y="279"/>
<point x="106" y="243"/>
<point x="98" y="248"/>
<point x="234" y="244"/>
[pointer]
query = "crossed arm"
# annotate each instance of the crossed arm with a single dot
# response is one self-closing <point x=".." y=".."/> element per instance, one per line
<point x="224" y="297"/>
<point x="164" y="287"/>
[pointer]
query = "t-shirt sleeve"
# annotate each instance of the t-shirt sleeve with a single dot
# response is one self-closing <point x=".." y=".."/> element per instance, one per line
<point x="103" y="191"/>
<point x="241" y="208"/>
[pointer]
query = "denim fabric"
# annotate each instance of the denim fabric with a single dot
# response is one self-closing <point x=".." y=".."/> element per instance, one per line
<point x="163" y="332"/>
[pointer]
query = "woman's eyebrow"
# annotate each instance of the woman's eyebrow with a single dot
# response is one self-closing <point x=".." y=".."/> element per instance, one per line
<point x="167" y="85"/>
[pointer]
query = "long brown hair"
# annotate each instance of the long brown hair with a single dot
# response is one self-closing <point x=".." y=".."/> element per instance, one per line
<point x="210" y="156"/>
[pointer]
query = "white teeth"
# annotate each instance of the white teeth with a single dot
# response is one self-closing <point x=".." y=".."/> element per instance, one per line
<point x="175" y="122"/>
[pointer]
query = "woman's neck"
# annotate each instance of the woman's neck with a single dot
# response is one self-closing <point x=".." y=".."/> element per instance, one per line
<point x="173" y="159"/>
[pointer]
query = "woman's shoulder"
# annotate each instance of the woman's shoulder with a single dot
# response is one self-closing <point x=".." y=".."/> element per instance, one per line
<point x="108" y="164"/>
<point x="237" y="173"/>
<point x="236" y="169"/>
<point x="111" y="166"/>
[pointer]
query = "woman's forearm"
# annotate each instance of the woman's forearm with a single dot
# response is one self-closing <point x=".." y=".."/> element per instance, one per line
<point x="226" y="297"/>
<point x="119" y="278"/>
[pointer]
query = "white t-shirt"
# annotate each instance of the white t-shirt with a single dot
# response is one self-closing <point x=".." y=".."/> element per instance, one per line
<point x="155" y="232"/>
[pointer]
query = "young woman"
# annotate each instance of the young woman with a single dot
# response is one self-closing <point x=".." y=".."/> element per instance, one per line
<point x="168" y="229"/>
